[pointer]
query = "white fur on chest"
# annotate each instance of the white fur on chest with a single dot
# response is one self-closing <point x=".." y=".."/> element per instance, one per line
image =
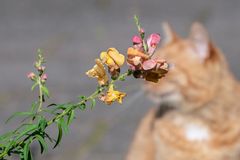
<point x="196" y="132"/>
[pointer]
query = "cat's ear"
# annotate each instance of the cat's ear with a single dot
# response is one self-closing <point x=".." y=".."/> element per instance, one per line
<point x="200" y="39"/>
<point x="169" y="34"/>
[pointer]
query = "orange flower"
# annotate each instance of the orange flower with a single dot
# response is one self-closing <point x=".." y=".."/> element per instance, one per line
<point x="98" y="71"/>
<point x="135" y="58"/>
<point x="135" y="52"/>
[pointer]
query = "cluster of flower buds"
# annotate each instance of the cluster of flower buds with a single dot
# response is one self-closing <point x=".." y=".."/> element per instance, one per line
<point x="40" y="69"/>
<point x="140" y="57"/>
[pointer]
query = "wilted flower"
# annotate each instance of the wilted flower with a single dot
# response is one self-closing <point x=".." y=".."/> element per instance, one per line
<point x="31" y="75"/>
<point x="98" y="71"/>
<point x="112" y="96"/>
<point x="155" y="69"/>
<point x="152" y="42"/>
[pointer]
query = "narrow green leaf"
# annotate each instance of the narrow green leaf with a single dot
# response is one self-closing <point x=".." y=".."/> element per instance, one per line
<point x="59" y="138"/>
<point x="26" y="150"/>
<point x="93" y="103"/>
<point x="45" y="91"/>
<point x="34" y="106"/>
<point x="34" y="86"/>
<point x="64" y="125"/>
<point x="28" y="129"/>
<point x="70" y="117"/>
<point x="19" y="114"/>
<point x="42" y="124"/>
<point x="42" y="143"/>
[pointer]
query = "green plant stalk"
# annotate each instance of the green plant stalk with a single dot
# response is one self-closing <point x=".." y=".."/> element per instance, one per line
<point x="136" y="19"/>
<point x="64" y="113"/>
<point x="40" y="95"/>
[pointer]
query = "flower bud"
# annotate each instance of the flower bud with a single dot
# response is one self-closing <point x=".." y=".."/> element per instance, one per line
<point x="142" y="31"/>
<point x="44" y="77"/>
<point x="41" y="68"/>
<point x="136" y="40"/>
<point x="31" y="75"/>
<point x="152" y="42"/>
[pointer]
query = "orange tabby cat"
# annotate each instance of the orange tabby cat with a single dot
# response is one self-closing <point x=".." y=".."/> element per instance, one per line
<point x="199" y="113"/>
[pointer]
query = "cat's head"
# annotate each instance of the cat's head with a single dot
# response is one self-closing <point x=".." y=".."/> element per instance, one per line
<point x="195" y="72"/>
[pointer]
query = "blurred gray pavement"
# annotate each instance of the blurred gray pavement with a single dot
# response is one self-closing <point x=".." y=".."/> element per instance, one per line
<point x="73" y="33"/>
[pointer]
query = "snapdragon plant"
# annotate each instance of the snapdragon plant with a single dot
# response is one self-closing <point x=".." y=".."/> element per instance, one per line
<point x="107" y="71"/>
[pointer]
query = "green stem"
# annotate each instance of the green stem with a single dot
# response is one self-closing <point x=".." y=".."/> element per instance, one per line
<point x="145" y="46"/>
<point x="40" y="95"/>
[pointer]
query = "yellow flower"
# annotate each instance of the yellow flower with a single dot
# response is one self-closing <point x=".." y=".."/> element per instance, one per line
<point x="112" y="58"/>
<point x="98" y="71"/>
<point x="113" y="95"/>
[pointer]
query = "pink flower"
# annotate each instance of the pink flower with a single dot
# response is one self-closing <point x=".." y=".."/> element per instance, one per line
<point x="152" y="42"/>
<point x="153" y="39"/>
<point x="44" y="77"/>
<point x="136" y="40"/>
<point x="149" y="64"/>
<point x="31" y="75"/>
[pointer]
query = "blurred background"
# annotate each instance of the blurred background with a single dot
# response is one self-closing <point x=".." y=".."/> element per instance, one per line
<point x="72" y="33"/>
